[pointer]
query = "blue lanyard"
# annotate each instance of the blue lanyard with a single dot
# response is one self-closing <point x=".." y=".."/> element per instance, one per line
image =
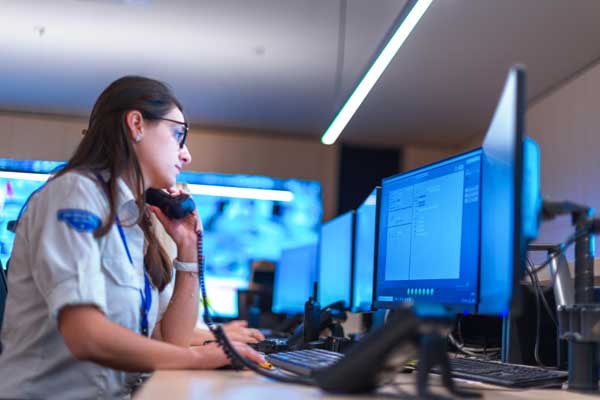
<point x="146" y="295"/>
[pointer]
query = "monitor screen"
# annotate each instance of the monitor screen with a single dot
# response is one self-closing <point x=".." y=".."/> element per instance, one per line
<point x="428" y="242"/>
<point x="294" y="278"/>
<point x="335" y="261"/>
<point x="503" y="245"/>
<point x="221" y="292"/>
<point x="364" y="253"/>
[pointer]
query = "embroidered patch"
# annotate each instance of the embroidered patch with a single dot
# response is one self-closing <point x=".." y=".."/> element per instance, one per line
<point x="80" y="220"/>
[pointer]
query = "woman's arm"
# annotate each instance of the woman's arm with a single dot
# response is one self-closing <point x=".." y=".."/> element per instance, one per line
<point x="90" y="336"/>
<point x="178" y="321"/>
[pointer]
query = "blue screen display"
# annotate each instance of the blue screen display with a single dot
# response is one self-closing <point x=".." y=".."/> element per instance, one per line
<point x="335" y="260"/>
<point x="237" y="230"/>
<point x="428" y="248"/>
<point x="15" y="189"/>
<point x="364" y="254"/>
<point x="294" y="278"/>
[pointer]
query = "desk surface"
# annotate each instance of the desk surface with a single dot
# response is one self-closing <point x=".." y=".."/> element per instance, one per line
<point x="232" y="385"/>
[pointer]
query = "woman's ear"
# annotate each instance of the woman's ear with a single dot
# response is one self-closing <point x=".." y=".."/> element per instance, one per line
<point x="135" y="122"/>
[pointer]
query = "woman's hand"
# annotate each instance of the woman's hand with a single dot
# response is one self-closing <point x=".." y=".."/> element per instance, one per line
<point x="239" y="331"/>
<point x="184" y="232"/>
<point x="212" y="356"/>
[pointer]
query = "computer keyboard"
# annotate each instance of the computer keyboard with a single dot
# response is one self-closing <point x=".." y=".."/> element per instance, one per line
<point x="304" y="362"/>
<point x="502" y="374"/>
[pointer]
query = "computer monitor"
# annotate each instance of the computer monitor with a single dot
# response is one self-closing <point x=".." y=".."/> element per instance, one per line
<point x="504" y="234"/>
<point x="221" y="292"/>
<point x="428" y="242"/>
<point x="336" y="253"/>
<point x="294" y="279"/>
<point x="364" y="253"/>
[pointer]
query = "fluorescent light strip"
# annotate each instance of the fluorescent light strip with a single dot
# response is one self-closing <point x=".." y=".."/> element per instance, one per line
<point x="207" y="190"/>
<point x="242" y="193"/>
<point x="375" y="71"/>
<point x="28" y="176"/>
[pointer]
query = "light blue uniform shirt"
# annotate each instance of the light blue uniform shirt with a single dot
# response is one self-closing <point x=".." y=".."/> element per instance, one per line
<point x="58" y="262"/>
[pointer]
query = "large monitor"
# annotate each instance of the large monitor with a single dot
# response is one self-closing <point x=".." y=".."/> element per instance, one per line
<point x="364" y="253"/>
<point x="503" y="241"/>
<point x="428" y="242"/>
<point x="294" y="279"/>
<point x="336" y="253"/>
<point x="246" y="218"/>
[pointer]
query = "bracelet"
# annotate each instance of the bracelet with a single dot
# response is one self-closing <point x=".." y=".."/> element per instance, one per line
<point x="181" y="266"/>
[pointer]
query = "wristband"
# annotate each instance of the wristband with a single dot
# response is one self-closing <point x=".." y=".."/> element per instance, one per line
<point x="181" y="266"/>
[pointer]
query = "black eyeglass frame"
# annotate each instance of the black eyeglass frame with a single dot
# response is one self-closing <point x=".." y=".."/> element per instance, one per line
<point x="186" y="128"/>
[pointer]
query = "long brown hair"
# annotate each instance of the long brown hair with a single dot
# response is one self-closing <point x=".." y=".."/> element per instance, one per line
<point x="106" y="146"/>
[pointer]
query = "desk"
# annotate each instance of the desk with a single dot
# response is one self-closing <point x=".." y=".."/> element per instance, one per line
<point x="232" y="385"/>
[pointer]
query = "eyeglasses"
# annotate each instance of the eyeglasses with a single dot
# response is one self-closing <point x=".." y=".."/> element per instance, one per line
<point x="180" y="136"/>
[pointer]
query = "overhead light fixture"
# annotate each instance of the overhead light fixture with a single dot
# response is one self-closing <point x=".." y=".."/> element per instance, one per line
<point x="241" y="193"/>
<point x="416" y="9"/>
<point x="28" y="176"/>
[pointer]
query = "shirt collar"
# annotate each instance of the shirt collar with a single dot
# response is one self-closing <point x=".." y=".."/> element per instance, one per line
<point x="127" y="209"/>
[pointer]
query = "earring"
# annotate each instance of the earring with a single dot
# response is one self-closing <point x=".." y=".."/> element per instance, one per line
<point x="138" y="138"/>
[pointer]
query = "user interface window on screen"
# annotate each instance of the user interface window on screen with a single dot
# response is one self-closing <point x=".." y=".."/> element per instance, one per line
<point x="429" y="241"/>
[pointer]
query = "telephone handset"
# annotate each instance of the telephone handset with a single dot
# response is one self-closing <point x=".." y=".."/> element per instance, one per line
<point x="174" y="207"/>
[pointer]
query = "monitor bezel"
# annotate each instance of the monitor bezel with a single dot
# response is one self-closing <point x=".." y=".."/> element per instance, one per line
<point x="519" y="244"/>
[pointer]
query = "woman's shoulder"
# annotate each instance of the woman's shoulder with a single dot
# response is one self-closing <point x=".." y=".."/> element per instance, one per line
<point x="84" y="181"/>
<point x="74" y="187"/>
<point x="83" y="176"/>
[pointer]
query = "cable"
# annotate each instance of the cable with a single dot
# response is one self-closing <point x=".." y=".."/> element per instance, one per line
<point x="538" y="313"/>
<point x="459" y="343"/>
<point x="237" y="361"/>
<point x="538" y="288"/>
<point x="461" y="347"/>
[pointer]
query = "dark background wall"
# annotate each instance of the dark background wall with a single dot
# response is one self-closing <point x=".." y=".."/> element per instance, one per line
<point x="361" y="169"/>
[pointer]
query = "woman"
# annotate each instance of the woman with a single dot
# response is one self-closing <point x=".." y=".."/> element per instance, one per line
<point x="87" y="279"/>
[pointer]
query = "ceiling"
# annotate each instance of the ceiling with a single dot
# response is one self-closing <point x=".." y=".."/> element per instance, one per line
<point x="285" y="66"/>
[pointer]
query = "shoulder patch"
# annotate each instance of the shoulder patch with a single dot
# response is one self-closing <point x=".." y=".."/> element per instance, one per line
<point x="80" y="220"/>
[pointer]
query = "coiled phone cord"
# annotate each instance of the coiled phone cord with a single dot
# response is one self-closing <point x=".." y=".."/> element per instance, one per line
<point x="237" y="360"/>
